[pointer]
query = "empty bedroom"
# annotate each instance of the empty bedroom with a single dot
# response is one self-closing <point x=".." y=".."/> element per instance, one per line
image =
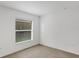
<point x="39" y="29"/>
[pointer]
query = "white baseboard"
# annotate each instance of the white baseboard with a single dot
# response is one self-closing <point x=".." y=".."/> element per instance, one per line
<point x="19" y="50"/>
<point x="68" y="51"/>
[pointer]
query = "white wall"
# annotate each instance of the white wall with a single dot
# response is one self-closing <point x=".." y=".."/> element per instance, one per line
<point x="7" y="30"/>
<point x="61" y="30"/>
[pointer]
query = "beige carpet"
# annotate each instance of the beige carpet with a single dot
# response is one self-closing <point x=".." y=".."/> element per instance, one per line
<point x="40" y="51"/>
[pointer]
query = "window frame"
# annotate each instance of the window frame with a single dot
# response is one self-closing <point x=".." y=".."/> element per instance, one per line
<point x="22" y="20"/>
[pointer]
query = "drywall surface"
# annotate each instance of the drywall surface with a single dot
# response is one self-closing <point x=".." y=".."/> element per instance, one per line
<point x="7" y="30"/>
<point x="61" y="30"/>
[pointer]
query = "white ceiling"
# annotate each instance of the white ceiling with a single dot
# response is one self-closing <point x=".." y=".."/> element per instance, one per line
<point x="40" y="7"/>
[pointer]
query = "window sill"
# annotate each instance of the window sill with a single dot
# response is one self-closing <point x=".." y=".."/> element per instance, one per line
<point x="23" y="42"/>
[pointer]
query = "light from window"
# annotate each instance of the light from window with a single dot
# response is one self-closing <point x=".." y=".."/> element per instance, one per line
<point x="23" y="30"/>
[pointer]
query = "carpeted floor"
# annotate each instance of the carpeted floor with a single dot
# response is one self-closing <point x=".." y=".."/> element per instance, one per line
<point x="40" y="51"/>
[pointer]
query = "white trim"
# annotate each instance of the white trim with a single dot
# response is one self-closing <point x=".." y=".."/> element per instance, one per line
<point x="25" y="41"/>
<point x="65" y="50"/>
<point x="20" y="20"/>
<point x="22" y="30"/>
<point x="32" y="31"/>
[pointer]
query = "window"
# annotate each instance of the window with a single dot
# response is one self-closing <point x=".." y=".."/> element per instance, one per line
<point x="23" y="30"/>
